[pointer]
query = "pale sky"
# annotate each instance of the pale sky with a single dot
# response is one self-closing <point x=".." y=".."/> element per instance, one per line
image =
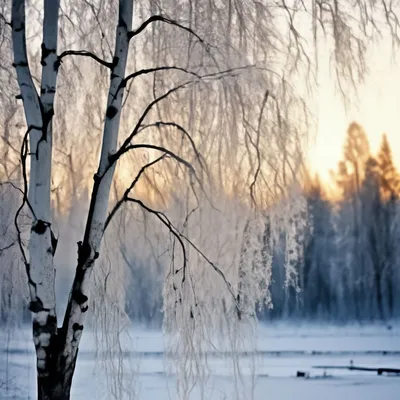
<point x="378" y="111"/>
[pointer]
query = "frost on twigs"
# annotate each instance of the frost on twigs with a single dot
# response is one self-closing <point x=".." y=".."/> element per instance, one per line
<point x="211" y="305"/>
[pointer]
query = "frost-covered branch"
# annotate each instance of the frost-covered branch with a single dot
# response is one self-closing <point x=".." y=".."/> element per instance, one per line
<point x="212" y="76"/>
<point x="181" y="237"/>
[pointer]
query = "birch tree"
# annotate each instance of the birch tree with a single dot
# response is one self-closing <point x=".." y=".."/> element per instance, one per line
<point x="239" y="118"/>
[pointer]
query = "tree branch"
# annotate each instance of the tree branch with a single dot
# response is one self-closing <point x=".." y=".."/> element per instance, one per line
<point x="166" y="221"/>
<point x="180" y="237"/>
<point x="116" y="156"/>
<point x="4" y="19"/>
<point x="257" y="147"/>
<point x="212" y="76"/>
<point x="160" y="124"/>
<point x="7" y="247"/>
<point x="84" y="53"/>
<point x="160" y="18"/>
<point x="151" y="70"/>
<point x="128" y="190"/>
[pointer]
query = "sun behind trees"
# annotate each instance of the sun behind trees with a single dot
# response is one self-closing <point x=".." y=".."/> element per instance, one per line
<point x="351" y="267"/>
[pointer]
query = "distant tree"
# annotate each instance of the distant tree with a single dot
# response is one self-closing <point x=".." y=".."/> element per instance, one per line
<point x="316" y="282"/>
<point x="349" y="179"/>
<point x="389" y="176"/>
<point x="380" y="200"/>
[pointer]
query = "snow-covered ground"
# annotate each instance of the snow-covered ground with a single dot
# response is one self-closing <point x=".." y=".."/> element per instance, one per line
<point x="281" y="351"/>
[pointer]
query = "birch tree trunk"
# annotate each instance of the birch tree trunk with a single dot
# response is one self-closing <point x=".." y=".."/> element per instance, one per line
<point x="57" y="348"/>
<point x="88" y="250"/>
<point x="39" y="113"/>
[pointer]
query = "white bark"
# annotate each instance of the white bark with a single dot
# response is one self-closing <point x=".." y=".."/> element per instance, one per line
<point x="89" y="248"/>
<point x="39" y="112"/>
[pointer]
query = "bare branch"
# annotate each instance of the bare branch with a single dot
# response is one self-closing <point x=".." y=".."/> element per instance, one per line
<point x="128" y="190"/>
<point x="116" y="156"/>
<point x="151" y="70"/>
<point x="84" y="53"/>
<point x="166" y="221"/>
<point x="257" y="148"/>
<point x="4" y="19"/>
<point x="160" y="18"/>
<point x="23" y="155"/>
<point x="180" y="237"/>
<point x="160" y="124"/>
<point x="212" y="76"/>
<point x="7" y="247"/>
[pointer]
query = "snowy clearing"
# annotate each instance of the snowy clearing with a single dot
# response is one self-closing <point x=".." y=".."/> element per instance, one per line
<point x="282" y="351"/>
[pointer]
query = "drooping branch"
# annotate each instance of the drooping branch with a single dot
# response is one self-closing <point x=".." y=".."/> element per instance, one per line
<point x="172" y="229"/>
<point x="25" y="200"/>
<point x="257" y="148"/>
<point x="84" y="53"/>
<point x="147" y="71"/>
<point x="202" y="78"/>
<point x="160" y="18"/>
<point x="180" y="128"/>
<point x="181" y="237"/>
<point x="116" y="156"/>
<point x="130" y="188"/>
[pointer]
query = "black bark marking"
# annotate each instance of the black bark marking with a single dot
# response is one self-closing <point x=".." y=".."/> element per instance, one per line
<point x="84" y="251"/>
<point x="84" y="309"/>
<point x="18" y="97"/>
<point x="79" y="297"/>
<point x="20" y="64"/>
<point x="57" y="64"/>
<point x="54" y="242"/>
<point x="112" y="111"/>
<point x="52" y="319"/>
<point x="115" y="61"/>
<point x="77" y="327"/>
<point x="36" y="306"/>
<point x="40" y="226"/>
<point x="20" y="29"/>
<point x="45" y="53"/>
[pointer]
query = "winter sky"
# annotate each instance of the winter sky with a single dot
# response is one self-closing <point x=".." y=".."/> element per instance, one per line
<point x="376" y="109"/>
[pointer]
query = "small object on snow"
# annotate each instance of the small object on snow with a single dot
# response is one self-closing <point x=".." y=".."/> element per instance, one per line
<point x="302" y="374"/>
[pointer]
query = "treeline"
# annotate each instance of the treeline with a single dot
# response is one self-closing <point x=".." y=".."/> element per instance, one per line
<point x="351" y="264"/>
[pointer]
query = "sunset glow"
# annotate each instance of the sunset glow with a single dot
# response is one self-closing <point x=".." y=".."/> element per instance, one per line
<point x="376" y="109"/>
